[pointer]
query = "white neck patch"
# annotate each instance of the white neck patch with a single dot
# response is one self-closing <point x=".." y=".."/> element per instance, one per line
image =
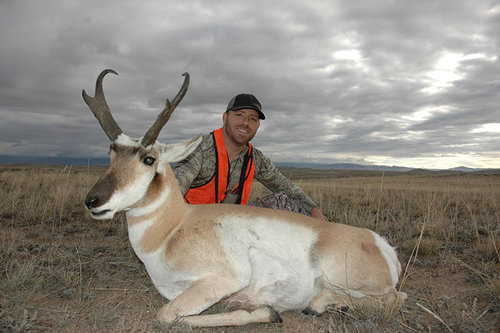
<point x="160" y="201"/>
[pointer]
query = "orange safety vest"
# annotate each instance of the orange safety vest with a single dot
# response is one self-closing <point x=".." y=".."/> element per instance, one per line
<point x="215" y="190"/>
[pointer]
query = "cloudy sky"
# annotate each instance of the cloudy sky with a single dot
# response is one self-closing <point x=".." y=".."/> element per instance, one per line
<point x="407" y="83"/>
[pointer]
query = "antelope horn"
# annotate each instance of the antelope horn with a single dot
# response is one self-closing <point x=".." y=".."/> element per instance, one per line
<point x="100" y="108"/>
<point x="152" y="134"/>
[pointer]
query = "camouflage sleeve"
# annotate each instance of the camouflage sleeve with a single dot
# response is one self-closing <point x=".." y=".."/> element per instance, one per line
<point x="186" y="170"/>
<point x="273" y="179"/>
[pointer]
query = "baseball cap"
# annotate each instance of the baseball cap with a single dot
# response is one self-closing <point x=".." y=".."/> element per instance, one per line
<point x="245" y="101"/>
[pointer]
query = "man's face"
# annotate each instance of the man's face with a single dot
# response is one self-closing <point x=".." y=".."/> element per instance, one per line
<point x="241" y="125"/>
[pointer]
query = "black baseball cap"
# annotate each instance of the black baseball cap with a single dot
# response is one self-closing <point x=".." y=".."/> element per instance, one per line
<point x="245" y="101"/>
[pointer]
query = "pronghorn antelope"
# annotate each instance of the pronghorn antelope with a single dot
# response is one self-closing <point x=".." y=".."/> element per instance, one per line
<point x="260" y="260"/>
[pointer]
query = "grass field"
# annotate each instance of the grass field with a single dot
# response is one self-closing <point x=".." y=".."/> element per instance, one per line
<point x="61" y="271"/>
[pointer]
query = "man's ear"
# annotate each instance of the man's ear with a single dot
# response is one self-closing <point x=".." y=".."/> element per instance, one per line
<point x="175" y="152"/>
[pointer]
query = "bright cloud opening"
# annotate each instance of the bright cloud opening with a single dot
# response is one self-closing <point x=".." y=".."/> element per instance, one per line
<point x="445" y="71"/>
<point x="487" y="128"/>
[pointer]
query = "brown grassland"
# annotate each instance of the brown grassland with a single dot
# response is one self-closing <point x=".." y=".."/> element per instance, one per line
<point x="61" y="271"/>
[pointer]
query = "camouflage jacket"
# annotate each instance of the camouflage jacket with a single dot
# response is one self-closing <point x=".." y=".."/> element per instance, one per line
<point x="199" y="168"/>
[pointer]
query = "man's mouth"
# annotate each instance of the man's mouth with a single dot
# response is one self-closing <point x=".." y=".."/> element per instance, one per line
<point x="244" y="131"/>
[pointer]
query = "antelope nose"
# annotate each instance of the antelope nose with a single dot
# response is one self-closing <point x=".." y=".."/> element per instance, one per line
<point x="91" y="201"/>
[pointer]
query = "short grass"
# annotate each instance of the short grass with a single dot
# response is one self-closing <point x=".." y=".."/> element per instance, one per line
<point x="61" y="271"/>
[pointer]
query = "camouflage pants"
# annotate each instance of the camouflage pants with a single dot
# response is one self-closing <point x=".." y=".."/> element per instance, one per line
<point x="280" y="200"/>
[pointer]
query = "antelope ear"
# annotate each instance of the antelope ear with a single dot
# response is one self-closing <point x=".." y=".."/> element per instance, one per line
<point x="175" y="152"/>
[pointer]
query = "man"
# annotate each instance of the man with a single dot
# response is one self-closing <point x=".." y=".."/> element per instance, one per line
<point x="222" y="167"/>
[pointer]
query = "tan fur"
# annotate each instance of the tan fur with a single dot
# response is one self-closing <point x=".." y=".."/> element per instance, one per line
<point x="156" y="235"/>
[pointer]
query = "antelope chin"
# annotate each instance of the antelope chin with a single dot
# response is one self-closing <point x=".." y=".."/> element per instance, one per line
<point x="102" y="214"/>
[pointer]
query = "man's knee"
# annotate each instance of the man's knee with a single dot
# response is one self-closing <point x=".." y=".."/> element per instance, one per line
<point x="282" y="201"/>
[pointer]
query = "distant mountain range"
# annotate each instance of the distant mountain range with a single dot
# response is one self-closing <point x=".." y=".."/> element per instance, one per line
<point x="50" y="160"/>
<point x="352" y="166"/>
<point x="81" y="161"/>
<point x="343" y="166"/>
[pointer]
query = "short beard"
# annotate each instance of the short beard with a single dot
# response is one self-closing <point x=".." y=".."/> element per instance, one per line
<point x="230" y="130"/>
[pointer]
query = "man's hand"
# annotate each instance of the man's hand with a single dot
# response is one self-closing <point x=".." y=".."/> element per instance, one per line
<point x="316" y="213"/>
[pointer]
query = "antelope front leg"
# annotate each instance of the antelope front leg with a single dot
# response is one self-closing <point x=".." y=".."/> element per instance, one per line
<point x="206" y="292"/>
<point x="201" y="295"/>
<point x="265" y="314"/>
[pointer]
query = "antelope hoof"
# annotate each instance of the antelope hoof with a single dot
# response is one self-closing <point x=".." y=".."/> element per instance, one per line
<point x="274" y="316"/>
<point x="344" y="309"/>
<point x="310" y="312"/>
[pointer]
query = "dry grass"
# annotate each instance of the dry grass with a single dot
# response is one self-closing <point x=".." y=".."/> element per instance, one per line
<point x="62" y="271"/>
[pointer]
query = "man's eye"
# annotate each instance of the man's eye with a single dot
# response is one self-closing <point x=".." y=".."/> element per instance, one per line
<point x="148" y="160"/>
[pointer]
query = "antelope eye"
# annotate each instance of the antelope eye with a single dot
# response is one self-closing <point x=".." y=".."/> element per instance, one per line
<point x="148" y="160"/>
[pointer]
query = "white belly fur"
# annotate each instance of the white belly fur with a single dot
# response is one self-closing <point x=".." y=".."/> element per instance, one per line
<point x="276" y="260"/>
